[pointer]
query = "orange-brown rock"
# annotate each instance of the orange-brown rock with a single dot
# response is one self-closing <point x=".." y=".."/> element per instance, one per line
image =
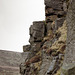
<point x="27" y="63"/>
<point x="33" y="60"/>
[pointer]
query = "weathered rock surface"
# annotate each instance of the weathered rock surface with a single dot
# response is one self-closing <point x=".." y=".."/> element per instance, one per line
<point x="55" y="4"/>
<point x="46" y="60"/>
<point x="48" y="41"/>
<point x="37" y="31"/>
<point x="68" y="69"/>
<point x="70" y="50"/>
<point x="53" y="67"/>
<point x="69" y="61"/>
<point x="45" y="54"/>
<point x="26" y="48"/>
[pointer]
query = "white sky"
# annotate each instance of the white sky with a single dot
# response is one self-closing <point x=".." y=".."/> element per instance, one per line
<point x="16" y="16"/>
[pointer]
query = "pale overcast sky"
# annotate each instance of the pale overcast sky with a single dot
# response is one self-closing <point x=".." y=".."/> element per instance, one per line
<point x="16" y="16"/>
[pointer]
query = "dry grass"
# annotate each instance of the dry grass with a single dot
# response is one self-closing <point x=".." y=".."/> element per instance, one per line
<point x="58" y="72"/>
<point x="37" y="65"/>
<point x="60" y="43"/>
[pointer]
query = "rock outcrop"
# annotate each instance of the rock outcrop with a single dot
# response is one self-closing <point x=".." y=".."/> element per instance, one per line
<point x="37" y="32"/>
<point x="69" y="61"/>
<point x="48" y="52"/>
<point x="47" y="41"/>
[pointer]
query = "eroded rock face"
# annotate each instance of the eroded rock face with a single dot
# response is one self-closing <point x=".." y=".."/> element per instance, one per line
<point x="37" y="31"/>
<point x="55" y="4"/>
<point x="70" y="50"/>
<point x="55" y="12"/>
<point x="46" y="60"/>
<point x="46" y="40"/>
<point x="26" y="48"/>
<point x="68" y="69"/>
<point x="69" y="61"/>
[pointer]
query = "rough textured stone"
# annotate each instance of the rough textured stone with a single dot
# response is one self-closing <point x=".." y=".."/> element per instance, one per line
<point x="37" y="31"/>
<point x="52" y="67"/>
<point x="65" y="6"/>
<point x="50" y="11"/>
<point x="70" y="50"/>
<point x="36" y="47"/>
<point x="43" y="36"/>
<point x="45" y="63"/>
<point x="51" y="18"/>
<point x="48" y="26"/>
<point x="59" y="22"/>
<point x="68" y="69"/>
<point x="69" y="61"/>
<point x="55" y="4"/>
<point x="26" y="48"/>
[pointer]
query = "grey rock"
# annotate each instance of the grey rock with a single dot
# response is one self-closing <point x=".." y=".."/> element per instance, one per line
<point x="50" y="11"/>
<point x="65" y="6"/>
<point x="26" y="48"/>
<point x="56" y="58"/>
<point x="68" y="69"/>
<point x="31" y="40"/>
<point x="58" y="23"/>
<point x="55" y="4"/>
<point x="35" y="47"/>
<point x="70" y="49"/>
<point x="60" y="56"/>
<point x="48" y="26"/>
<point x="46" y="60"/>
<point x="53" y="67"/>
<point x="61" y="14"/>
<point x="22" y="68"/>
<point x="37" y="31"/>
<point x="49" y="42"/>
<point x="31" y="30"/>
